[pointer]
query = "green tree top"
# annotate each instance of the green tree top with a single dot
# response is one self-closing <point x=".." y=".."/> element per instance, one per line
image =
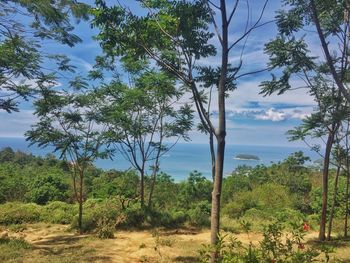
<point x="24" y="25"/>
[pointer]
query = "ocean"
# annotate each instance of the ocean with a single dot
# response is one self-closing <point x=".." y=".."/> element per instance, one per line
<point x="185" y="157"/>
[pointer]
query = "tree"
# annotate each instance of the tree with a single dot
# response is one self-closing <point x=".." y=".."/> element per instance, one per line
<point x="330" y="19"/>
<point x="141" y="117"/>
<point x="22" y="72"/>
<point x="175" y="35"/>
<point x="325" y="122"/>
<point x="325" y="79"/>
<point x="69" y="123"/>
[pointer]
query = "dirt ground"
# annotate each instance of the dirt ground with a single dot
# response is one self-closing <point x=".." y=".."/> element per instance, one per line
<point x="55" y="243"/>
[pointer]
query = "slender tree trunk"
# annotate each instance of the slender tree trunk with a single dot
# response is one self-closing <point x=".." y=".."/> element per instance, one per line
<point x="212" y="154"/>
<point x="220" y="136"/>
<point x="335" y="193"/>
<point x="81" y="199"/>
<point x="142" y="186"/>
<point x="346" y="204"/>
<point x="322" y="233"/>
<point x="153" y="183"/>
<point x="216" y="196"/>
<point x="78" y="197"/>
<point x="329" y="58"/>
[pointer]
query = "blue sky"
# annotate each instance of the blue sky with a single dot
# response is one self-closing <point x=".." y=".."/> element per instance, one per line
<point x="251" y="118"/>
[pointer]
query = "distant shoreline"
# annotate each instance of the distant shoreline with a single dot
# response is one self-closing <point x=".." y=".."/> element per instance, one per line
<point x="184" y="157"/>
<point x="246" y="157"/>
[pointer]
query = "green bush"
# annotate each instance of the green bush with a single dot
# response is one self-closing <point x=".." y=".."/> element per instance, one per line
<point x="134" y="216"/>
<point x="243" y="201"/>
<point x="261" y="199"/>
<point x="166" y="218"/>
<point x="19" y="213"/>
<point x="105" y="228"/>
<point x="96" y="213"/>
<point x="289" y="216"/>
<point x="48" y="187"/>
<point x="276" y="246"/>
<point x="254" y="215"/>
<point x="178" y="218"/>
<point x="88" y="223"/>
<point x="57" y="212"/>
<point x="199" y="216"/>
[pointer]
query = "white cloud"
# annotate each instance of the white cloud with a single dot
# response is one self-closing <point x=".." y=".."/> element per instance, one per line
<point x="272" y="115"/>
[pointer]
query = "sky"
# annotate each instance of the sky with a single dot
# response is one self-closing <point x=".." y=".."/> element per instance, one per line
<point x="251" y="118"/>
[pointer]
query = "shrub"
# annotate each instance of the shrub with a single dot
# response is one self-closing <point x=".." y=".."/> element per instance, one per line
<point x="97" y="213"/>
<point x="178" y="218"/>
<point x="134" y="216"/>
<point x="289" y="215"/>
<point x="259" y="198"/>
<point x="88" y="223"/>
<point x="243" y="201"/>
<point x="166" y="218"/>
<point x="254" y="213"/>
<point x="45" y="188"/>
<point x="199" y="216"/>
<point x="230" y="225"/>
<point x="105" y="228"/>
<point x="19" y="213"/>
<point x="57" y="212"/>
<point x="275" y="247"/>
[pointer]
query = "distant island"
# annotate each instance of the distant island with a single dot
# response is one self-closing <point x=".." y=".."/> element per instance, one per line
<point x="246" y="157"/>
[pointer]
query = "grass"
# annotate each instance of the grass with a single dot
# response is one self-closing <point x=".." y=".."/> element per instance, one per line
<point x="54" y="243"/>
<point x="13" y="250"/>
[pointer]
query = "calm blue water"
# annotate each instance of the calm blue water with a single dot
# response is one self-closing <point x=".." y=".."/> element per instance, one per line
<point x="185" y="157"/>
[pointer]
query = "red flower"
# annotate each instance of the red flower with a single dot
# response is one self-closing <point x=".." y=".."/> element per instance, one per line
<point x="306" y="227"/>
<point x="301" y="246"/>
<point x="273" y="261"/>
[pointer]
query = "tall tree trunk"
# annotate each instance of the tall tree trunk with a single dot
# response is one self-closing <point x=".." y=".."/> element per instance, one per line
<point x="153" y="183"/>
<point x="142" y="186"/>
<point x="81" y="199"/>
<point x="335" y="193"/>
<point x="216" y="196"/>
<point x="220" y="136"/>
<point x="346" y="203"/>
<point x="322" y="233"/>
<point x="337" y="79"/>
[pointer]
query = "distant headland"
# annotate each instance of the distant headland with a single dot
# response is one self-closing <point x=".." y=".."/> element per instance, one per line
<point x="246" y="157"/>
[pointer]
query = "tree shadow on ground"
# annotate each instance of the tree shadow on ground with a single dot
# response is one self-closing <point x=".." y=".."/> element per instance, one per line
<point x="334" y="243"/>
<point x="68" y="246"/>
<point x="59" y="240"/>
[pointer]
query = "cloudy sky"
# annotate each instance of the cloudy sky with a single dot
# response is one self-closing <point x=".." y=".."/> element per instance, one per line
<point x="251" y="118"/>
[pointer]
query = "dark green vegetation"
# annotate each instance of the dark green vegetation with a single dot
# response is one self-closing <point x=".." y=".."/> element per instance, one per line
<point x="37" y="189"/>
<point x="274" y="247"/>
<point x="247" y="157"/>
